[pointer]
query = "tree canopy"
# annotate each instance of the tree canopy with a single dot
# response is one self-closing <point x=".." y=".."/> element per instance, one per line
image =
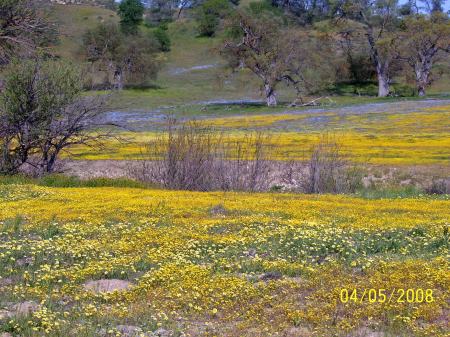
<point x="131" y="15"/>
<point x="23" y="29"/>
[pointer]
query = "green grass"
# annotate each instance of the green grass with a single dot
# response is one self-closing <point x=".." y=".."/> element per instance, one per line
<point x="183" y="105"/>
<point x="73" y="21"/>
<point x="392" y="193"/>
<point x="59" y="180"/>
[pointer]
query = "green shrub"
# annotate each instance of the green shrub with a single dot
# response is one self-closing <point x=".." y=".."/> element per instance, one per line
<point x="209" y="14"/>
<point x="131" y="15"/>
<point x="61" y="180"/>
<point x="163" y="38"/>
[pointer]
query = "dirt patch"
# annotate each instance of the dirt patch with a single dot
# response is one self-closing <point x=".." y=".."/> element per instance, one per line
<point x="105" y="285"/>
<point x="19" y="310"/>
<point x="88" y="169"/>
<point x="419" y="176"/>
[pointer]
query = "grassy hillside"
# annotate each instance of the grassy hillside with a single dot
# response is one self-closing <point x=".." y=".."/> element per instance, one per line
<point x="73" y="21"/>
<point x="193" y="74"/>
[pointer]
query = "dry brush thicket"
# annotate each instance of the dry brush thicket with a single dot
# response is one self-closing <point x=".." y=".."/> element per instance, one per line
<point x="192" y="156"/>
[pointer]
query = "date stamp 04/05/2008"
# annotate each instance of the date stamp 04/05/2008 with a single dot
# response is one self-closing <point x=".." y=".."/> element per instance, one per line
<point x="395" y="295"/>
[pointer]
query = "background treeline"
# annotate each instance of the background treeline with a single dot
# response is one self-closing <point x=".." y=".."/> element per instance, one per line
<point x="309" y="45"/>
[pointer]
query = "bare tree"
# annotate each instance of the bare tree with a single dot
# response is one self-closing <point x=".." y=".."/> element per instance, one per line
<point x="22" y="29"/>
<point x="78" y="124"/>
<point x="275" y="53"/>
<point x="193" y="156"/>
<point x="329" y="170"/>
<point x="421" y="42"/>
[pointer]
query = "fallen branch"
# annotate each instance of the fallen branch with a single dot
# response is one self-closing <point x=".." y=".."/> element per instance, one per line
<point x="311" y="103"/>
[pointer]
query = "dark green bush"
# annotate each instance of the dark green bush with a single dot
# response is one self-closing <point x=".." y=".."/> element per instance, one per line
<point x="163" y="38"/>
<point x="209" y="14"/>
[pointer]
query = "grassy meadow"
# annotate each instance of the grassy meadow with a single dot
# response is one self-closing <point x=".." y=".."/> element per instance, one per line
<point x="220" y="264"/>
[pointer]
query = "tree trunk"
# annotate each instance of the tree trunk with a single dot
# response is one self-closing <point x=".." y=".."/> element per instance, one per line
<point x="382" y="66"/>
<point x="118" y="78"/>
<point x="422" y="71"/>
<point x="271" y="96"/>
<point x="50" y="165"/>
<point x="383" y="79"/>
<point x="383" y="85"/>
<point x="421" y="89"/>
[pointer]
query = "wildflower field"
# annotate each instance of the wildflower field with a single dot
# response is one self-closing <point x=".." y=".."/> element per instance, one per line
<point x="221" y="264"/>
<point x="224" y="168"/>
<point x="386" y="137"/>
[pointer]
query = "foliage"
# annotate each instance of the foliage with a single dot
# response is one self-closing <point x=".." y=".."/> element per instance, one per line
<point x="356" y="63"/>
<point x="22" y="29"/>
<point x="422" y="41"/>
<point x="160" y="11"/>
<point x="209" y="14"/>
<point x="61" y="180"/>
<point x="380" y="21"/>
<point x="42" y="113"/>
<point x="163" y="37"/>
<point x="275" y="53"/>
<point x="131" y="15"/>
<point x="413" y="7"/>
<point x="307" y="11"/>
<point x="130" y="60"/>
<point x="138" y="58"/>
<point x="102" y="42"/>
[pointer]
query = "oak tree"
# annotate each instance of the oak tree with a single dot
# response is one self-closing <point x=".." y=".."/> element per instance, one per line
<point x="23" y="28"/>
<point x="422" y="40"/>
<point x="126" y="60"/>
<point x="276" y="53"/>
<point x="379" y="19"/>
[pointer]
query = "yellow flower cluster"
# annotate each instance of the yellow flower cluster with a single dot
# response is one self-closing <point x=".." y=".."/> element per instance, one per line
<point x="420" y="137"/>
<point x="265" y="264"/>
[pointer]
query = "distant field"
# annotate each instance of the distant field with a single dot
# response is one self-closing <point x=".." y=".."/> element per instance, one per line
<point x="377" y="137"/>
<point x="220" y="264"/>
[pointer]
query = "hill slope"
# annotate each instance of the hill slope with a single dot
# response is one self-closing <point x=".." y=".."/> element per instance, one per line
<point x="194" y="73"/>
<point x="73" y="21"/>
